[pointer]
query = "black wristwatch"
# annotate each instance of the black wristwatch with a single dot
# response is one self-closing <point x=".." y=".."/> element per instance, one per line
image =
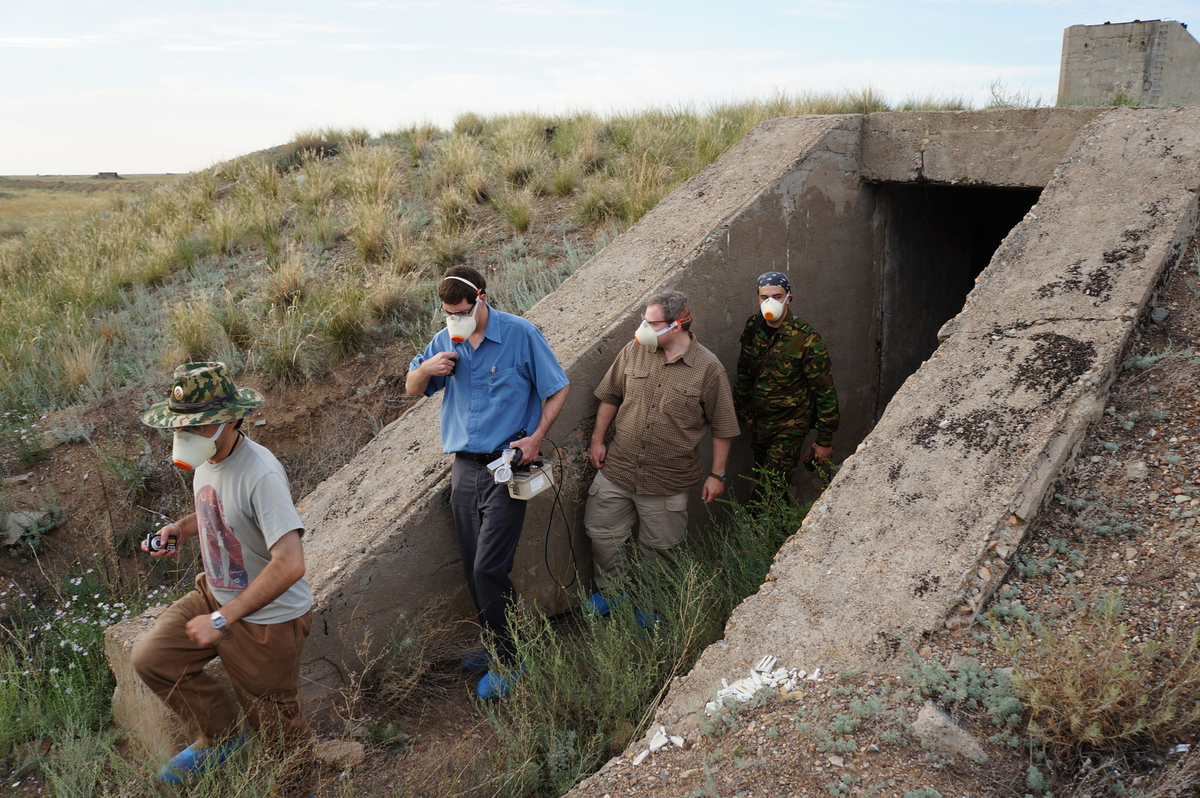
<point x="715" y="475"/>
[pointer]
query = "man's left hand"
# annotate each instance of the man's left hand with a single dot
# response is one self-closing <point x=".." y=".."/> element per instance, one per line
<point x="713" y="488"/>
<point x="530" y="448"/>
<point x="202" y="632"/>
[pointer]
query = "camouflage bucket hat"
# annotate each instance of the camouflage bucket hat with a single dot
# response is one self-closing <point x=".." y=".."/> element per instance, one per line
<point x="203" y="393"/>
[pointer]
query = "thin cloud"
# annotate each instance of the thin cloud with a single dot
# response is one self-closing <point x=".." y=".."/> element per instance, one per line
<point x="836" y="10"/>
<point x="370" y="47"/>
<point x="195" y="48"/>
<point x="524" y="8"/>
<point x="38" y="43"/>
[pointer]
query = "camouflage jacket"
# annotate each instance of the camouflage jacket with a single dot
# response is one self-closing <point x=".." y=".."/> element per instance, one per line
<point x="784" y="380"/>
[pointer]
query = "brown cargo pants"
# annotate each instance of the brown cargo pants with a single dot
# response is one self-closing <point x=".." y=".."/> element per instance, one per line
<point x="262" y="662"/>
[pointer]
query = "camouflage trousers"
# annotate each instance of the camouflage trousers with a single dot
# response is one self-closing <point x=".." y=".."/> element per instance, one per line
<point x="779" y="450"/>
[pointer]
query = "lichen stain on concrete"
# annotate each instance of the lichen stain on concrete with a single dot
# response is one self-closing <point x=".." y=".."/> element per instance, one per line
<point x="1054" y="365"/>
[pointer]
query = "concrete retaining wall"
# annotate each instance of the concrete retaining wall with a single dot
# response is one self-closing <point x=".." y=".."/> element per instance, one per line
<point x="793" y="196"/>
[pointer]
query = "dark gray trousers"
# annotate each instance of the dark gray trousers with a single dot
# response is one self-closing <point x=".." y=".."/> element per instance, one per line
<point x="488" y="522"/>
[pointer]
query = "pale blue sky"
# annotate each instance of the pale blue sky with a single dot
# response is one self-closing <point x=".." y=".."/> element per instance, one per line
<point x="140" y="86"/>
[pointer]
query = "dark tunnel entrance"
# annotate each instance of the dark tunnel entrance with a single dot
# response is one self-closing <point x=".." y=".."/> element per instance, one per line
<point x="931" y="242"/>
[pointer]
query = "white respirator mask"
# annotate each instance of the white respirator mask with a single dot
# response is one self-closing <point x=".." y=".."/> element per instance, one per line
<point x="647" y="336"/>
<point x="772" y="308"/>
<point x="461" y="327"/>
<point x="191" y="449"/>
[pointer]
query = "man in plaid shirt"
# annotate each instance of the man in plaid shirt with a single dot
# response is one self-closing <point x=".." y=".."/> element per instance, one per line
<point x="665" y="392"/>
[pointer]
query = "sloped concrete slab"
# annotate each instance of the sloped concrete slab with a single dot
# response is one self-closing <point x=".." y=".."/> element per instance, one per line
<point x="919" y="525"/>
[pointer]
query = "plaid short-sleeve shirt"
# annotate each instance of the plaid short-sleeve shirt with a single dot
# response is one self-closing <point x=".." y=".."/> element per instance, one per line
<point x="663" y="411"/>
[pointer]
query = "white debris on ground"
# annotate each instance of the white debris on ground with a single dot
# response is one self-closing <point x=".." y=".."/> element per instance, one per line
<point x="764" y="674"/>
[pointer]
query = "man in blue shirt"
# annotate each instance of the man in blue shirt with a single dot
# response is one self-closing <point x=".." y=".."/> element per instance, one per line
<point x="504" y="389"/>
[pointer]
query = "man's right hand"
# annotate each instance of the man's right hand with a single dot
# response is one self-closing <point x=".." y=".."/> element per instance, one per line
<point x="163" y="534"/>
<point x="596" y="455"/>
<point x="440" y="365"/>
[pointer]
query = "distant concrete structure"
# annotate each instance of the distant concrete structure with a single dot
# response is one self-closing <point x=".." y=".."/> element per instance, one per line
<point x="1151" y="62"/>
<point x="108" y="176"/>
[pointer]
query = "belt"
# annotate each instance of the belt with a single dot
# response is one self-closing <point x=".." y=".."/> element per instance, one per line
<point x="474" y="457"/>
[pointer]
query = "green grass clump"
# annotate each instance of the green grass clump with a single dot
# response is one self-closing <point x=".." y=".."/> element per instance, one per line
<point x="517" y="208"/>
<point x="54" y="680"/>
<point x="287" y="346"/>
<point x="587" y="690"/>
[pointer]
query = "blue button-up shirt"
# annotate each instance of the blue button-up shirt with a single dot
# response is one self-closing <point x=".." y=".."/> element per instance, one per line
<point x="495" y="390"/>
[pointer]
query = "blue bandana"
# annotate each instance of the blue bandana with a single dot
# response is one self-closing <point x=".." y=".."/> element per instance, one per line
<point x="775" y="278"/>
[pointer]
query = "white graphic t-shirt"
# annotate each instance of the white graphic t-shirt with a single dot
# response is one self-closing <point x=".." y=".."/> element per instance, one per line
<point x="244" y="506"/>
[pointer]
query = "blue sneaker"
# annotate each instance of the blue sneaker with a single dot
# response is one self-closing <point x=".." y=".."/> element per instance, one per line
<point x="598" y="604"/>
<point x="477" y="661"/>
<point x="195" y="761"/>
<point x="646" y="622"/>
<point x="493" y="686"/>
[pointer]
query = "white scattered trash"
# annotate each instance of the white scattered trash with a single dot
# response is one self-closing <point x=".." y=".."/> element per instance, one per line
<point x="766" y="664"/>
<point x="1182" y="748"/>
<point x="764" y="674"/>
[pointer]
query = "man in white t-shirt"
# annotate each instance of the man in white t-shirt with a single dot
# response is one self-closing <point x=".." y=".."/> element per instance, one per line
<point x="251" y="605"/>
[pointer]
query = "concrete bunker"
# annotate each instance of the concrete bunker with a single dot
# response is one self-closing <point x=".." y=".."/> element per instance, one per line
<point x="834" y="202"/>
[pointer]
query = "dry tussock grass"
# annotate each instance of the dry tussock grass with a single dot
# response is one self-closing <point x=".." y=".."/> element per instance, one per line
<point x="381" y="196"/>
<point x="370" y="230"/>
<point x="194" y="333"/>
<point x="290" y="284"/>
<point x="367" y="175"/>
<point x="1095" y="690"/>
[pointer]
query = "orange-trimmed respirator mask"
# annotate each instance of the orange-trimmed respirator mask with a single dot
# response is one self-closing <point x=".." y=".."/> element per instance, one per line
<point x="191" y="449"/>
<point x="461" y="327"/>
<point x="647" y="336"/>
<point x="772" y="308"/>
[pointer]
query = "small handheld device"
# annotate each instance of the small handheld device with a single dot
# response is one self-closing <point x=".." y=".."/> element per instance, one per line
<point x="154" y="544"/>
<point x="531" y="481"/>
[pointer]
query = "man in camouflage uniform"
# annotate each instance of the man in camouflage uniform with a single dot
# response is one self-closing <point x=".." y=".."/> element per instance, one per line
<point x="783" y="386"/>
